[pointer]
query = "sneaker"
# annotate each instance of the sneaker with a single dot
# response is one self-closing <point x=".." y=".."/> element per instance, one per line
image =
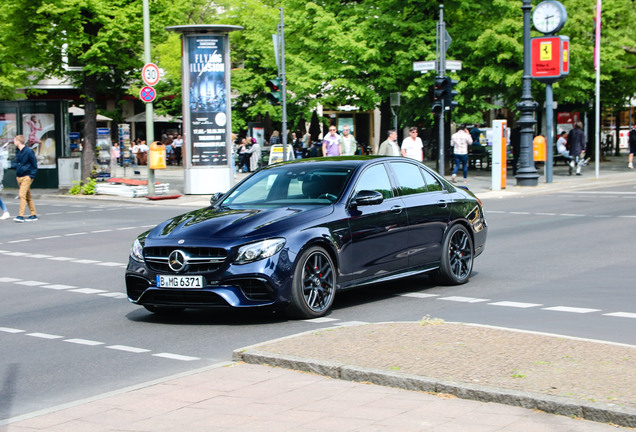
<point x="454" y="178"/>
<point x="32" y="218"/>
<point x="19" y="219"/>
<point x="5" y="215"/>
<point x="630" y="165"/>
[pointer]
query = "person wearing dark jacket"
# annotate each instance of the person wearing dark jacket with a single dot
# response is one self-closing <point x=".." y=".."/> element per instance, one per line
<point x="26" y="168"/>
<point x="576" y="142"/>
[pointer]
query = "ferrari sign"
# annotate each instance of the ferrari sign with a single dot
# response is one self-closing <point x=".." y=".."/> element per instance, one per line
<point x="550" y="58"/>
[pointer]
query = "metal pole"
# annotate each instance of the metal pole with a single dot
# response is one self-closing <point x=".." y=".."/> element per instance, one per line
<point x="549" y="114"/>
<point x="597" y="141"/>
<point x="527" y="174"/>
<point x="283" y="81"/>
<point x="150" y="133"/>
<point x="441" y="70"/>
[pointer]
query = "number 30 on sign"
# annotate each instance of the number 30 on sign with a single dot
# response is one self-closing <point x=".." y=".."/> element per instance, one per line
<point x="150" y="74"/>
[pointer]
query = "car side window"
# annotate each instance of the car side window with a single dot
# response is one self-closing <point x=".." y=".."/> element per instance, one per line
<point x="409" y="177"/>
<point x="431" y="182"/>
<point x="375" y="178"/>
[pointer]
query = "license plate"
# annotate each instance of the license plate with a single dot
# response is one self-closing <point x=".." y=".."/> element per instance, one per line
<point x="179" y="281"/>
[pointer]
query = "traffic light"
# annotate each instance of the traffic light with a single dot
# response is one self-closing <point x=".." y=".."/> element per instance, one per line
<point x="275" y="95"/>
<point x="449" y="93"/>
<point x="438" y="96"/>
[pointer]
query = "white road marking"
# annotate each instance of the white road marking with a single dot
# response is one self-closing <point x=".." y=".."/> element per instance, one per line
<point x="88" y="291"/>
<point x="11" y="330"/>
<point x="45" y="336"/>
<point x="515" y="304"/>
<point x="110" y="264"/>
<point x="58" y="287"/>
<point x="8" y="279"/>
<point x="31" y="283"/>
<point x="48" y="237"/>
<point x="40" y="256"/>
<point x="176" y="357"/>
<point x="75" y="234"/>
<point x="19" y="241"/>
<point x="85" y="261"/>
<point x="321" y="320"/>
<point x="418" y="295"/>
<point x="463" y="299"/>
<point x="128" y="349"/>
<point x="571" y="309"/>
<point x="621" y="314"/>
<point x="84" y="342"/>
<point x="61" y="258"/>
<point x="114" y="295"/>
<point x="17" y="254"/>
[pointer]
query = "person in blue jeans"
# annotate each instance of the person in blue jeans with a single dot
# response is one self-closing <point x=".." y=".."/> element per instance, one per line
<point x="460" y="142"/>
<point x="5" y="212"/>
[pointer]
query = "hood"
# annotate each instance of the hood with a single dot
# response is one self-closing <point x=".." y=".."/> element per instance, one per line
<point x="223" y="222"/>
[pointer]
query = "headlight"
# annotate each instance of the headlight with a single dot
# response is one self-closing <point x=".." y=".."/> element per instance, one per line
<point x="137" y="251"/>
<point x="259" y="250"/>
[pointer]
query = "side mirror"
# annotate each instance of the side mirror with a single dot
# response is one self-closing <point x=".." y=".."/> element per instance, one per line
<point x="214" y="198"/>
<point x="368" y="197"/>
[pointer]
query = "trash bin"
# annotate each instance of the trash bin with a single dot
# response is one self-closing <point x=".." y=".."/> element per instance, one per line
<point x="157" y="156"/>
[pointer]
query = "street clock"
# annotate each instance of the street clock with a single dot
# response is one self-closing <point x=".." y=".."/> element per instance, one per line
<point x="549" y="16"/>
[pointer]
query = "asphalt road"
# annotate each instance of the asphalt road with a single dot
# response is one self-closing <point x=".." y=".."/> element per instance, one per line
<point x="557" y="263"/>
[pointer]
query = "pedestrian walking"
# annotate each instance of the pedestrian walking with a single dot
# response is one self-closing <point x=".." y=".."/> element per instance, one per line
<point x="460" y="142"/>
<point x="331" y="143"/>
<point x="390" y="146"/>
<point x="348" y="143"/>
<point x="114" y="158"/>
<point x="26" y="168"/>
<point x="576" y="141"/>
<point x="178" y="149"/>
<point x="632" y="147"/>
<point x="412" y="146"/>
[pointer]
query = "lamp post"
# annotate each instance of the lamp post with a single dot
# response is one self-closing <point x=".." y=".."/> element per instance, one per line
<point x="527" y="174"/>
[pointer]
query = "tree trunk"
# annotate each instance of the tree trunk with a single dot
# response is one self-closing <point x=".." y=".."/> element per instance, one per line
<point x="89" y="155"/>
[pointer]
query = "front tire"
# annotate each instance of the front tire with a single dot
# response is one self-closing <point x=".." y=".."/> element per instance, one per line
<point x="457" y="256"/>
<point x="314" y="284"/>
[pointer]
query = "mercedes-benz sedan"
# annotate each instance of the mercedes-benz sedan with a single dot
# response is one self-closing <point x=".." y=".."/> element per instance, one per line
<point x="293" y="234"/>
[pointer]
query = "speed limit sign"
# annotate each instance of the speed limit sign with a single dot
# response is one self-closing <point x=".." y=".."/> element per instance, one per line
<point x="150" y="74"/>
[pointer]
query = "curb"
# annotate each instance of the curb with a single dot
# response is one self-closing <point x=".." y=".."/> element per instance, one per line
<point x="549" y="404"/>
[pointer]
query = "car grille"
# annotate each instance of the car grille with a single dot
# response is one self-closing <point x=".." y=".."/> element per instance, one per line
<point x="182" y="298"/>
<point x="256" y="289"/>
<point x="200" y="259"/>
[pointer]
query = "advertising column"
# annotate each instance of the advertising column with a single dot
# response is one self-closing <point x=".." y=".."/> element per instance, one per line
<point x="206" y="108"/>
<point x="499" y="154"/>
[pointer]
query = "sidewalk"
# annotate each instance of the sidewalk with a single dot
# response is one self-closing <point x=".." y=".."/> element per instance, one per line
<point x="426" y="376"/>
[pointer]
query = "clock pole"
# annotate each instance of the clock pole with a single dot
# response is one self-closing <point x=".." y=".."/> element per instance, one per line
<point x="527" y="174"/>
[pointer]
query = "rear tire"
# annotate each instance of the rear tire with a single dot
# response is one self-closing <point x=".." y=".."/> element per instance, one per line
<point x="457" y="256"/>
<point x="314" y="284"/>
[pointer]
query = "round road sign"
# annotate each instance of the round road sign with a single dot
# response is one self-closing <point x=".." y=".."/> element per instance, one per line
<point x="150" y="74"/>
<point x="147" y="94"/>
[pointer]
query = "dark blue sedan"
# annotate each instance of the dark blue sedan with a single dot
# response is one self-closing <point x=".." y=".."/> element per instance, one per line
<point x="293" y="234"/>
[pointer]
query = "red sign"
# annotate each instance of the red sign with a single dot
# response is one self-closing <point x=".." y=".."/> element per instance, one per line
<point x="550" y="58"/>
<point x="150" y="74"/>
<point x="147" y="94"/>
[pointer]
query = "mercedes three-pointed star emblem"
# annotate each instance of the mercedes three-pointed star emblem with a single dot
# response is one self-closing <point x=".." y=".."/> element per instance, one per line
<point x="177" y="260"/>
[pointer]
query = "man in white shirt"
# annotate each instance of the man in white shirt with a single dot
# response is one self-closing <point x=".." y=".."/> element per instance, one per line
<point x="412" y="146"/>
<point x="563" y="150"/>
<point x="460" y="142"/>
<point x="390" y="147"/>
<point x="348" y="144"/>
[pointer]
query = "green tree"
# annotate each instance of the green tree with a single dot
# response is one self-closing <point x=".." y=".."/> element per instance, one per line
<point x="103" y="38"/>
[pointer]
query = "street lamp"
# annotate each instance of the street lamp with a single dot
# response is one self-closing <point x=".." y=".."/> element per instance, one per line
<point x="527" y="173"/>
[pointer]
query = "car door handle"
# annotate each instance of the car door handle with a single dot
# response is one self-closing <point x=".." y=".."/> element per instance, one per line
<point x="442" y="204"/>
<point x="396" y="209"/>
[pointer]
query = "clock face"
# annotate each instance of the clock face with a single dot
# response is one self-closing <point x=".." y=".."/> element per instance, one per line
<point x="549" y="17"/>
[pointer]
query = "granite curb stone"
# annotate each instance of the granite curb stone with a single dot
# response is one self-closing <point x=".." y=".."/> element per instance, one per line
<point x="254" y="354"/>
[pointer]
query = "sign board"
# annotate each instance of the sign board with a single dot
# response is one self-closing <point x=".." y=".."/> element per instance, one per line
<point x="499" y="154"/>
<point x="147" y="94"/>
<point x="453" y="65"/>
<point x="421" y="66"/>
<point x="550" y="58"/>
<point x="425" y="66"/>
<point x="150" y="74"/>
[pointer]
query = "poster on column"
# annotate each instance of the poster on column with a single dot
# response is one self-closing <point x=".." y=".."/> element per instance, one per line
<point x="208" y="100"/>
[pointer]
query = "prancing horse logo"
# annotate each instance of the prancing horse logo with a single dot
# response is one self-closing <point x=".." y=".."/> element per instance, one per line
<point x="178" y="260"/>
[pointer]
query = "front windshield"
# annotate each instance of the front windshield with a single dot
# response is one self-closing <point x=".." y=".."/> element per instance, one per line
<point x="296" y="184"/>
